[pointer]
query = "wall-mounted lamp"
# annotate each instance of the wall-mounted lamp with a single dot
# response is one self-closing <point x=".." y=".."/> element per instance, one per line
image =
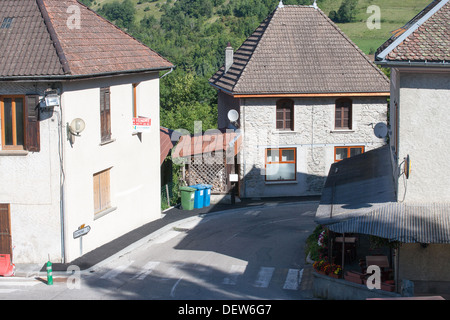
<point x="52" y="98"/>
<point x="76" y="127"/>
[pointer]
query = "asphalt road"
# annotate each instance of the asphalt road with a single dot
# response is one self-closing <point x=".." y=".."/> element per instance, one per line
<point x="252" y="253"/>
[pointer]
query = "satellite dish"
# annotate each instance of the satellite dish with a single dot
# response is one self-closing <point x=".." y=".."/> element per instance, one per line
<point x="381" y="130"/>
<point x="233" y="115"/>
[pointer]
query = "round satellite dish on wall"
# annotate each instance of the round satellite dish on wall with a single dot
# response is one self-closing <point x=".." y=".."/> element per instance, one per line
<point x="233" y="115"/>
<point x="381" y="130"/>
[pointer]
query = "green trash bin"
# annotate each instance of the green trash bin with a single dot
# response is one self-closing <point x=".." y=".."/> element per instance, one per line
<point x="187" y="198"/>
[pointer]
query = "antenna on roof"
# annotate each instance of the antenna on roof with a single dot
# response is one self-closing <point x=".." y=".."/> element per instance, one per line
<point x="315" y="5"/>
<point x="281" y="5"/>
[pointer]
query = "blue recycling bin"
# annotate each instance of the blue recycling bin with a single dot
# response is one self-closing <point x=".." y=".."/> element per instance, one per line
<point x="207" y="195"/>
<point x="199" y="196"/>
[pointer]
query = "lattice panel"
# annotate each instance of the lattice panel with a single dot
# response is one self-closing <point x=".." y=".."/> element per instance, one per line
<point x="212" y="174"/>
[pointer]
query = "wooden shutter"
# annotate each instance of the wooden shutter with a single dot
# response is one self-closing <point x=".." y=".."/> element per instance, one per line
<point x="102" y="194"/>
<point x="285" y="114"/>
<point x="5" y="230"/>
<point x="343" y="114"/>
<point x="32" y="126"/>
<point x="105" y="114"/>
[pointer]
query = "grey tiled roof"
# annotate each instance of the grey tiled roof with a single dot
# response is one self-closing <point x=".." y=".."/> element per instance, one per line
<point x="298" y="49"/>
<point x="41" y="42"/>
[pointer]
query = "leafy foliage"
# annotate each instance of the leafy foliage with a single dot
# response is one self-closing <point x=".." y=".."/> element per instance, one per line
<point x="346" y="13"/>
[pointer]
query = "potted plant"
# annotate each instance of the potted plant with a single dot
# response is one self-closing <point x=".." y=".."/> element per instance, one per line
<point x="336" y="271"/>
<point x="321" y="266"/>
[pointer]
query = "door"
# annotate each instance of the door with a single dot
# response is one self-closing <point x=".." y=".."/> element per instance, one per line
<point x="5" y="230"/>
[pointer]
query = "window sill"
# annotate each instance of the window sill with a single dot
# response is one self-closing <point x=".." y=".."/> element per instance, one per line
<point x="342" y="131"/>
<point x="104" y="213"/>
<point x="280" y="182"/>
<point x="103" y="143"/>
<point x="13" y="153"/>
<point x="285" y="131"/>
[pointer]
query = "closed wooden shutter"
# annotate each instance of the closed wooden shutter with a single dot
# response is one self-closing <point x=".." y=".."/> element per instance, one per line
<point x="105" y="114"/>
<point x="102" y="196"/>
<point x="5" y="230"/>
<point x="32" y="136"/>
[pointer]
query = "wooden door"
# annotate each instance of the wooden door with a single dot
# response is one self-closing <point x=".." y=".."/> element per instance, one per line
<point x="5" y="230"/>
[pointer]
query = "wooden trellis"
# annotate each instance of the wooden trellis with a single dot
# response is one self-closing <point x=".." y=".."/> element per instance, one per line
<point x="212" y="174"/>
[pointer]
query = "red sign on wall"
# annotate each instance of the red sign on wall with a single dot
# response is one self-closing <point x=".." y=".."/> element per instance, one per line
<point x="142" y="124"/>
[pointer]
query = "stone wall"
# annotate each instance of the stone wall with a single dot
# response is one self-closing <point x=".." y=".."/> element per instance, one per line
<point x="314" y="138"/>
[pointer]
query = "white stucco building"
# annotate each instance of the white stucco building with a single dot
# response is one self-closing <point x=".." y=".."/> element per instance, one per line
<point x="306" y="97"/>
<point x="52" y="182"/>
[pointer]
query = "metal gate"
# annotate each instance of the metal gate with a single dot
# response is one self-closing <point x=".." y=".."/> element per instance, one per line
<point x="5" y="230"/>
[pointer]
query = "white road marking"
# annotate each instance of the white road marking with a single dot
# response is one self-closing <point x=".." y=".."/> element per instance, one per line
<point x="116" y="271"/>
<point x="293" y="279"/>
<point x="146" y="270"/>
<point x="264" y="277"/>
<point x="173" y="272"/>
<point x="235" y="272"/>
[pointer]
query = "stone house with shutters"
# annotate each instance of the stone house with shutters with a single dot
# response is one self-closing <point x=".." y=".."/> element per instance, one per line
<point x="307" y="97"/>
<point x="71" y="84"/>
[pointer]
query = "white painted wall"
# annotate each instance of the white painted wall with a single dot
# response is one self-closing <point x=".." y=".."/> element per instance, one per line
<point x="423" y="123"/>
<point x="30" y="182"/>
<point x="133" y="159"/>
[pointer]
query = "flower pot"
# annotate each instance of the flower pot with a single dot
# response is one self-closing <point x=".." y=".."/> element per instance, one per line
<point x="335" y="276"/>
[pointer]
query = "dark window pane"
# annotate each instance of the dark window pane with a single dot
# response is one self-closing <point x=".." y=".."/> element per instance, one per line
<point x="355" y="151"/>
<point x="20" y="128"/>
<point x="341" y="153"/>
<point x="7" y="122"/>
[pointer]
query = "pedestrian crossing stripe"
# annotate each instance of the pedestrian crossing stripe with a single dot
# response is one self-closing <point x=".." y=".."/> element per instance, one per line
<point x="291" y="278"/>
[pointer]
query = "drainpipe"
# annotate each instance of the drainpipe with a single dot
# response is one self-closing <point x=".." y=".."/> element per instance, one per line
<point x="167" y="73"/>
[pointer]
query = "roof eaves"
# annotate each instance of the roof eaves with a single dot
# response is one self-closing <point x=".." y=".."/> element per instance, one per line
<point x="396" y="42"/>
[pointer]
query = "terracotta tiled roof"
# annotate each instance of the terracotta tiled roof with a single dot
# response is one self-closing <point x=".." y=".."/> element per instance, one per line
<point x="430" y="42"/>
<point x="298" y="49"/>
<point x="25" y="46"/>
<point x="166" y="143"/>
<point x="42" y="41"/>
<point x="212" y="141"/>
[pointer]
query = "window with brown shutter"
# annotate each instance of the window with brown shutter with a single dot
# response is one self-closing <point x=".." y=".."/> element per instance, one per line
<point x="32" y="136"/>
<point x="20" y="123"/>
<point x="102" y="196"/>
<point x="285" y="114"/>
<point x="105" y="114"/>
<point x="343" y="114"/>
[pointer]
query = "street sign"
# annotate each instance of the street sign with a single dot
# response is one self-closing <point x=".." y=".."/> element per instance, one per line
<point x="82" y="231"/>
<point x="142" y="124"/>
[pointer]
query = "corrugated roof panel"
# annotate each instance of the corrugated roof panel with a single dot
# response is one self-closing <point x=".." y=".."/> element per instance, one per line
<point x="405" y="222"/>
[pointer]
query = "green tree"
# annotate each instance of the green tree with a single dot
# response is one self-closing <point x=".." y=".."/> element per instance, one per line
<point x="122" y="14"/>
<point x="346" y="12"/>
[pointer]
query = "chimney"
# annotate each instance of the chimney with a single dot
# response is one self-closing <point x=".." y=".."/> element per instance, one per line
<point x="228" y="57"/>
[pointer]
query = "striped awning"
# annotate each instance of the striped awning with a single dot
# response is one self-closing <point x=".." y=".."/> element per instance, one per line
<point x="404" y="222"/>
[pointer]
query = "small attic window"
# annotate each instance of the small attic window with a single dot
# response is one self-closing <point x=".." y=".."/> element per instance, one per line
<point x="6" y="24"/>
